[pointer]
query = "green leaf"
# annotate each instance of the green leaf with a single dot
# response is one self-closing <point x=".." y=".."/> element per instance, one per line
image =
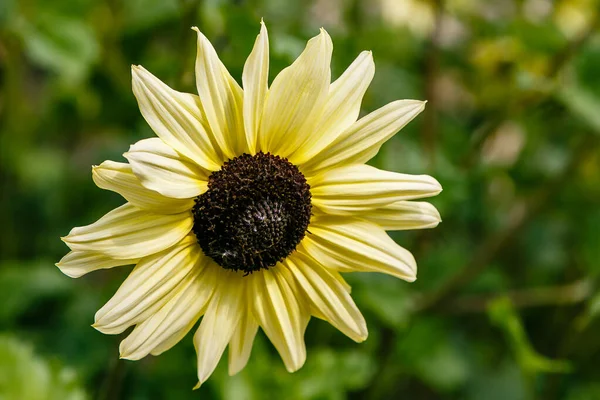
<point x="69" y="51"/>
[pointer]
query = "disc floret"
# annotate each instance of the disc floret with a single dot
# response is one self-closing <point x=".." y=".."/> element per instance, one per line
<point x="255" y="212"/>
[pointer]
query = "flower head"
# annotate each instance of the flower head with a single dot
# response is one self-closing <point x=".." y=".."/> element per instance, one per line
<point x="247" y="207"/>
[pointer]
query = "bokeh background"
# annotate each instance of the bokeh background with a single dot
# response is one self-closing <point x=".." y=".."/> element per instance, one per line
<point x="507" y="301"/>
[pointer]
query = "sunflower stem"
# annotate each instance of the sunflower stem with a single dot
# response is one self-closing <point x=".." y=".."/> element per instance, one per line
<point x="571" y="293"/>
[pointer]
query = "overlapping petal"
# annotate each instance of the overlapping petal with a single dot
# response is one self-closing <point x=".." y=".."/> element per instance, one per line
<point x="128" y="232"/>
<point x="162" y="169"/>
<point x="241" y="343"/>
<point x="167" y="326"/>
<point x="221" y="98"/>
<point x="280" y="313"/>
<point x="220" y="322"/>
<point x="151" y="284"/>
<point x="177" y="118"/>
<point x="119" y="177"/>
<point x="79" y="263"/>
<point x="296" y="98"/>
<point x="404" y="215"/>
<point x="352" y="188"/>
<point x="303" y="117"/>
<point x="350" y="244"/>
<point x="362" y="140"/>
<point x="328" y="297"/>
<point x="341" y="108"/>
<point x="255" y="79"/>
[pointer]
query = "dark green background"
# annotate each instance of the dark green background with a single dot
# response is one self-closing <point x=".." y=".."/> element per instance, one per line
<point x="506" y="302"/>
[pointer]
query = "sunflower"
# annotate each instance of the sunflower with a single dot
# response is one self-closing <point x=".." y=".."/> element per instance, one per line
<point x="247" y="207"/>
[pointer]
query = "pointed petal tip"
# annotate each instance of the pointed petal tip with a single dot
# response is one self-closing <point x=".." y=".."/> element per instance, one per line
<point x="293" y="368"/>
<point x="418" y="104"/>
<point x="436" y="186"/>
<point x="435" y="213"/>
<point x="233" y="370"/>
<point x="297" y="364"/>
<point x="126" y="355"/>
<point x="197" y="386"/>
<point x="67" y="272"/>
<point x="263" y="30"/>
<point x="201" y="35"/>
<point x="366" y="56"/>
<point x="97" y="325"/>
<point x="137" y="69"/>
<point x="324" y="35"/>
<point x="362" y="338"/>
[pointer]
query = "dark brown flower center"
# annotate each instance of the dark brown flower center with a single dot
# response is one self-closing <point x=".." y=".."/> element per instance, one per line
<point x="255" y="212"/>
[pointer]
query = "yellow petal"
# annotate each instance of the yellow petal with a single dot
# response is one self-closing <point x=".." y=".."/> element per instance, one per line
<point x="404" y="215"/>
<point x="350" y="244"/>
<point x="362" y="140"/>
<point x="219" y="323"/>
<point x="162" y="169"/>
<point x="241" y="342"/>
<point x="278" y="311"/>
<point x="177" y="118"/>
<point x="296" y="98"/>
<point x="78" y="263"/>
<point x="328" y="296"/>
<point x="222" y="99"/>
<point x="348" y="189"/>
<point x="167" y="326"/>
<point x="341" y="109"/>
<point x="151" y="284"/>
<point x="118" y="177"/>
<point x="128" y="232"/>
<point x="255" y="79"/>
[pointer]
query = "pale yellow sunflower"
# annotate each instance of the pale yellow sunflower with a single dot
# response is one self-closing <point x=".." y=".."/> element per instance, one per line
<point x="248" y="205"/>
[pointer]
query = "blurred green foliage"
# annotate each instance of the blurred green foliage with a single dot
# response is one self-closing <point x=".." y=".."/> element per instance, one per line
<point x="25" y="376"/>
<point x="507" y="300"/>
